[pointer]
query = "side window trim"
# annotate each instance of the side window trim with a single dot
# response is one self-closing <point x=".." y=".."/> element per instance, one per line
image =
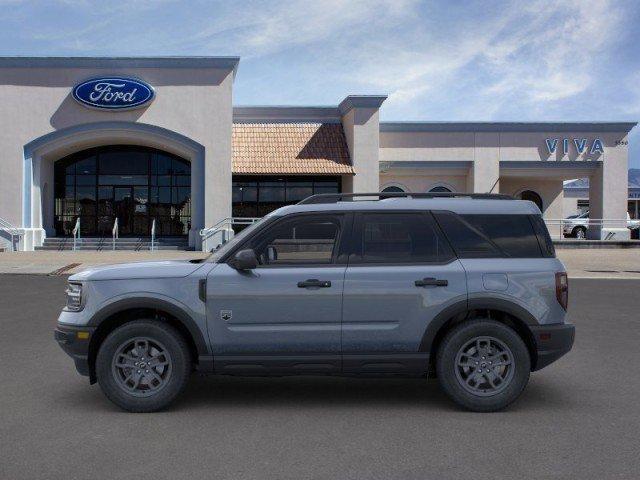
<point x="354" y="258"/>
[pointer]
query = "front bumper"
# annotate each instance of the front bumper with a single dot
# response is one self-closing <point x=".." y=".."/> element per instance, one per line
<point x="75" y="342"/>
<point x="552" y="342"/>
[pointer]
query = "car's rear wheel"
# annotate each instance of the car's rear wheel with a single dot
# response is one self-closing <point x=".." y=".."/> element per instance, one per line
<point x="580" y="233"/>
<point x="143" y="365"/>
<point x="483" y="365"/>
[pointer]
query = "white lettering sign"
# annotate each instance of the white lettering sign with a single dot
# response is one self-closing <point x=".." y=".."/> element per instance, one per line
<point x="105" y="91"/>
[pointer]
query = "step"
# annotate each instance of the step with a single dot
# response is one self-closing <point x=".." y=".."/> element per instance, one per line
<point x="106" y="248"/>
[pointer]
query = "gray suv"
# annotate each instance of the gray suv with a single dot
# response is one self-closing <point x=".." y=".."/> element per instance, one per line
<point x="465" y="287"/>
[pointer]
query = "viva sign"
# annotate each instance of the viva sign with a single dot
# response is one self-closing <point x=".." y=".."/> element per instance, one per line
<point x="580" y="144"/>
<point x="113" y="93"/>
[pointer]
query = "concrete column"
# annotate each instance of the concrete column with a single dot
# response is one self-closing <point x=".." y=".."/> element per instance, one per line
<point x="484" y="174"/>
<point x="608" y="191"/>
<point x="361" y="124"/>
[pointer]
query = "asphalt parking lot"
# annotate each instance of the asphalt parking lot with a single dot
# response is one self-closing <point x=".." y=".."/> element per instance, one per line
<point x="579" y="418"/>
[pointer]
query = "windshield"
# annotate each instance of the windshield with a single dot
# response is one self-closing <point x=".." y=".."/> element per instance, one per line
<point x="223" y="249"/>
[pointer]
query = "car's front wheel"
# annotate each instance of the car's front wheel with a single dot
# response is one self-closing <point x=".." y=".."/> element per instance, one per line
<point x="143" y="365"/>
<point x="483" y="365"/>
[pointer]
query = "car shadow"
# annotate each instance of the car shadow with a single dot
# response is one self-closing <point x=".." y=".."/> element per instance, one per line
<point x="228" y="393"/>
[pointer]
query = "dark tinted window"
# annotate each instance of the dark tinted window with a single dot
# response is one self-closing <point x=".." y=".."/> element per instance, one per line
<point x="476" y="236"/>
<point x="308" y="240"/>
<point x="399" y="238"/>
<point x="467" y="241"/>
<point x="544" y="239"/>
<point x="513" y="234"/>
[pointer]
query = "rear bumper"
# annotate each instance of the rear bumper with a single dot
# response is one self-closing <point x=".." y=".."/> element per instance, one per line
<point x="74" y="345"/>
<point x="552" y="342"/>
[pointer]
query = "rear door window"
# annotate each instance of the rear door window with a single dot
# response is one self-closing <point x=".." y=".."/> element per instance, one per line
<point x="398" y="237"/>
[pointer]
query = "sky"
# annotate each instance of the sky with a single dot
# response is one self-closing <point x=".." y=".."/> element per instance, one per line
<point x="436" y="60"/>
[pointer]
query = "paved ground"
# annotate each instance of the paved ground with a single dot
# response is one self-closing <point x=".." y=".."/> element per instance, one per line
<point x="578" y="419"/>
<point x="580" y="263"/>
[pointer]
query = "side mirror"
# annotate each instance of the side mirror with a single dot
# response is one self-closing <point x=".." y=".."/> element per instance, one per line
<point x="244" y="260"/>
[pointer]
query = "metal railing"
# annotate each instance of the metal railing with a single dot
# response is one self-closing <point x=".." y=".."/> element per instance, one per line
<point x="76" y="234"/>
<point x="12" y="231"/>
<point x="114" y="233"/>
<point x="153" y="235"/>
<point x="613" y="228"/>
<point x="222" y="232"/>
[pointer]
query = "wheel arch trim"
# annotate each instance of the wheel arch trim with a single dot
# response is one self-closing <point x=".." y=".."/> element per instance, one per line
<point x="468" y="305"/>
<point x="178" y="312"/>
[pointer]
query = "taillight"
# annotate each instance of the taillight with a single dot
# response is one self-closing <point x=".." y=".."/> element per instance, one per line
<point x="562" y="289"/>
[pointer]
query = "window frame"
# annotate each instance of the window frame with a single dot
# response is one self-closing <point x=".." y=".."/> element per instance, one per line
<point x="338" y="257"/>
<point x="355" y="255"/>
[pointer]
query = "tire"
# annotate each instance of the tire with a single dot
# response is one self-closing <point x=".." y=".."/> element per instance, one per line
<point x="479" y="395"/>
<point x="156" y="384"/>
<point x="580" y="233"/>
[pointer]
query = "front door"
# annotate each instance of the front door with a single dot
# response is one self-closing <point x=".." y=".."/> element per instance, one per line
<point x="284" y="316"/>
<point x="401" y="274"/>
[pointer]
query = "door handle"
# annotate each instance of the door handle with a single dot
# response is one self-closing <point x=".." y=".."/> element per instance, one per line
<point x="431" y="282"/>
<point x="312" y="282"/>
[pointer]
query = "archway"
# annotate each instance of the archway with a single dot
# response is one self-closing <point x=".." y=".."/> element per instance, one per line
<point x="440" y="189"/>
<point x="41" y="154"/>
<point x="392" y="189"/>
<point x="135" y="185"/>
<point x="532" y="197"/>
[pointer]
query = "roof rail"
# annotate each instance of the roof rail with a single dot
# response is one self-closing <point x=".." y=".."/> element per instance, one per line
<point x="337" y="197"/>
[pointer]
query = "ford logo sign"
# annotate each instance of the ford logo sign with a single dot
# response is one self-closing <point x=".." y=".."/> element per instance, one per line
<point x="113" y="93"/>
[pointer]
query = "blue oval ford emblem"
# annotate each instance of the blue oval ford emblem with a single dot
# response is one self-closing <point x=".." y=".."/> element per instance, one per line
<point x="113" y="93"/>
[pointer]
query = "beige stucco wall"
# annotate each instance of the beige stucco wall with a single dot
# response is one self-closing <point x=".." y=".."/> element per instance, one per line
<point x="361" y="129"/>
<point x="509" y="161"/>
<point x="549" y="190"/>
<point x="195" y="103"/>
<point x="423" y="183"/>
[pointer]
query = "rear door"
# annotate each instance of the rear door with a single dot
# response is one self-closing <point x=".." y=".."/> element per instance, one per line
<point x="402" y="272"/>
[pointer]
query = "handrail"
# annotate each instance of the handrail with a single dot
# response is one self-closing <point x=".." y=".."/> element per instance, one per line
<point x="12" y="230"/>
<point x="576" y="223"/>
<point x="153" y="235"/>
<point x="76" y="233"/>
<point x="114" y="233"/>
<point x="223" y="226"/>
<point x="207" y="232"/>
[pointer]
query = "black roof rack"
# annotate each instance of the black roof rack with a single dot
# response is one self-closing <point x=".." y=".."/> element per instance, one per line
<point x="337" y="197"/>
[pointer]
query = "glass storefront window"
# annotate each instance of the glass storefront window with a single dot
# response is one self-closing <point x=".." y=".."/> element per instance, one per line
<point x="257" y="196"/>
<point x="133" y="184"/>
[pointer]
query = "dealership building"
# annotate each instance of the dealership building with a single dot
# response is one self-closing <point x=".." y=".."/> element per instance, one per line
<point x="158" y="141"/>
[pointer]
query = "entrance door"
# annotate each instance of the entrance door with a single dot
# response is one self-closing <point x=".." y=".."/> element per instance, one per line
<point x="130" y="206"/>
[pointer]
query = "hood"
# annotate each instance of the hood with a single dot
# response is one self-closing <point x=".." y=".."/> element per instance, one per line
<point x="138" y="270"/>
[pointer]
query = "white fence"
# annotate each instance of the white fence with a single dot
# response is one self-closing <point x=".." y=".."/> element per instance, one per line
<point x="585" y="228"/>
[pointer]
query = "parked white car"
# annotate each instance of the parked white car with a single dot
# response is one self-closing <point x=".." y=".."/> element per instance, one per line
<point x="577" y="225"/>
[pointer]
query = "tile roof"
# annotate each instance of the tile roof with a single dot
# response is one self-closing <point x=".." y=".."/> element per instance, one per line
<point x="290" y="148"/>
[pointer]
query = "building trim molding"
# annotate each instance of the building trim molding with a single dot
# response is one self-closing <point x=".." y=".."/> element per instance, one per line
<point x="286" y="114"/>
<point x="544" y="127"/>
<point x="223" y="63"/>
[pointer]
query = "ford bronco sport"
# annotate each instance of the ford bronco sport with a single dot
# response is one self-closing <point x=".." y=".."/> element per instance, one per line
<point x="462" y="286"/>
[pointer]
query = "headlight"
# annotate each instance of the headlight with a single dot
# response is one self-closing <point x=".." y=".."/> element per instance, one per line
<point x="74" y="297"/>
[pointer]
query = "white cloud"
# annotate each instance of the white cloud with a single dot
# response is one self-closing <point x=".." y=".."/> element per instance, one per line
<point x="533" y="52"/>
